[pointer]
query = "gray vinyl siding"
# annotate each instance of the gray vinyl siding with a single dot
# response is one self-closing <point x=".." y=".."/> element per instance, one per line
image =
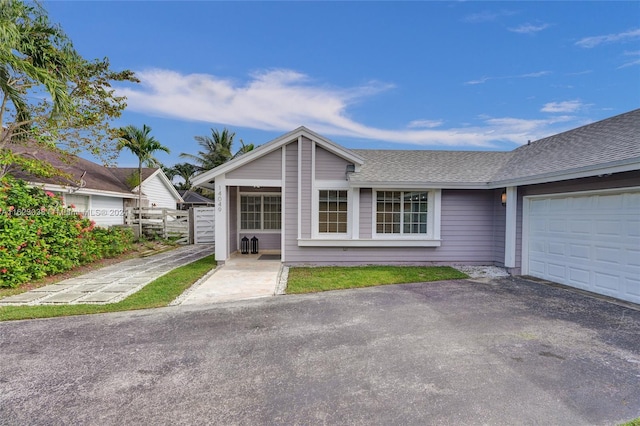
<point x="329" y="166"/>
<point x="267" y="167"/>
<point x="266" y="241"/>
<point x="618" y="180"/>
<point x="467" y="223"/>
<point x="366" y="215"/>
<point x="305" y="202"/>
<point x="291" y="198"/>
<point x="232" y="219"/>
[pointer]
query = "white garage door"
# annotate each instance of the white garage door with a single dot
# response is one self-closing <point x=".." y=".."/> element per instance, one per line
<point x="589" y="241"/>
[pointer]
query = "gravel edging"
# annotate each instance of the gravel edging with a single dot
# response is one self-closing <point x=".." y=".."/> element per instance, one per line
<point x="178" y="300"/>
<point x="281" y="284"/>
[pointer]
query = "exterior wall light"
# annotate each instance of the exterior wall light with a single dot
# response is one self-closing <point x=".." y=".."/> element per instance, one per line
<point x="503" y="198"/>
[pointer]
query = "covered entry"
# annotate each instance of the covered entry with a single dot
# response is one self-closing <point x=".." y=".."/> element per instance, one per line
<point x="585" y="240"/>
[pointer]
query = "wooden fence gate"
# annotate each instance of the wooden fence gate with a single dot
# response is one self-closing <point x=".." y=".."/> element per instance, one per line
<point x="165" y="223"/>
<point x="204" y="225"/>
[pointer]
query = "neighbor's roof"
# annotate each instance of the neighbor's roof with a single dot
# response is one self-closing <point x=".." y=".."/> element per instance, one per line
<point x="124" y="173"/>
<point x="191" y="197"/>
<point x="604" y="144"/>
<point x="96" y="176"/>
<point x="431" y="167"/>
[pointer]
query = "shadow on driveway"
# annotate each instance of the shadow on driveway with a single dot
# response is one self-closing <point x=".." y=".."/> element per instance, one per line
<point x="454" y="352"/>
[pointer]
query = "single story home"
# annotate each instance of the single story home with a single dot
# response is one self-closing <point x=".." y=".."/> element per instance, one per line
<point x="101" y="193"/>
<point x="565" y="208"/>
<point x="193" y="199"/>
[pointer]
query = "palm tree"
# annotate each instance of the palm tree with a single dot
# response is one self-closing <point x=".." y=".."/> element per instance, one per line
<point x="144" y="147"/>
<point x="216" y="149"/>
<point x="186" y="172"/>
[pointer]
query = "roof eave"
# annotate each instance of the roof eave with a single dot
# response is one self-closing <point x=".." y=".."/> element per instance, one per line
<point x="210" y="175"/>
<point x="627" y="165"/>
<point x="418" y="185"/>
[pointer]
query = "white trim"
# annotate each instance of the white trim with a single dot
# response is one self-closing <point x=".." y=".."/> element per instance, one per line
<point x="271" y="146"/>
<point x="167" y="183"/>
<point x="434" y="207"/>
<point x="254" y="182"/>
<point x="83" y="191"/>
<point x="315" y="200"/>
<point x="510" y="227"/>
<point x="524" y="260"/>
<point x="337" y="242"/>
<point x="261" y="195"/>
<point x="586" y="192"/>
<point x="355" y="223"/>
<point x="418" y="185"/>
<point x="221" y="221"/>
<point x="590" y="171"/>
<point x="299" y="186"/>
<point x="284" y="204"/>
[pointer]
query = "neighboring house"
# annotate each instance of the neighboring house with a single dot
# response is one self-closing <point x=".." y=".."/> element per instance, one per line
<point x="564" y="208"/>
<point x="157" y="189"/>
<point x="101" y="193"/>
<point x="193" y="199"/>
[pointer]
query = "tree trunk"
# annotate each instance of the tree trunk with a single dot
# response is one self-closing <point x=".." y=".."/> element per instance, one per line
<point x="140" y="199"/>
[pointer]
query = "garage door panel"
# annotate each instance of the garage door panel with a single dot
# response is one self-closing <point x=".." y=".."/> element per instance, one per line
<point x="579" y="251"/>
<point x="590" y="242"/>
<point x="605" y="281"/>
<point x="579" y="277"/>
<point x="609" y="255"/>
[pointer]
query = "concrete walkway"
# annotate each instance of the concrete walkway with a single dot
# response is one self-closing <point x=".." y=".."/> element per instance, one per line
<point x="243" y="276"/>
<point x="112" y="283"/>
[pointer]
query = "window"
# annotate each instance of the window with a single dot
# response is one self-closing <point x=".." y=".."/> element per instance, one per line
<point x="260" y="212"/>
<point x="332" y="211"/>
<point x="272" y="211"/>
<point x="77" y="203"/>
<point x="399" y="212"/>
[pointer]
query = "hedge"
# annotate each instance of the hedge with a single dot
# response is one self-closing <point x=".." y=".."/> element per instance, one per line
<point x="39" y="236"/>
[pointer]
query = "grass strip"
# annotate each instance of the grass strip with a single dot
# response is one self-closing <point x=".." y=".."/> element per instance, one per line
<point x="156" y="294"/>
<point x="314" y="279"/>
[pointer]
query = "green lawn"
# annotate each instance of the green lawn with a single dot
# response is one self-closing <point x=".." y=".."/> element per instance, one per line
<point x="308" y="280"/>
<point x="159" y="293"/>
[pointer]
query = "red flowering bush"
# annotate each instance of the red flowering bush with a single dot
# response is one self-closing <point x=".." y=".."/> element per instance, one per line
<point x="39" y="237"/>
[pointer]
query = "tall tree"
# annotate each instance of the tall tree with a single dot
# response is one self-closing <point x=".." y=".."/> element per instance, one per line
<point x="216" y="149"/>
<point x="186" y="172"/>
<point x="49" y="94"/>
<point x="143" y="146"/>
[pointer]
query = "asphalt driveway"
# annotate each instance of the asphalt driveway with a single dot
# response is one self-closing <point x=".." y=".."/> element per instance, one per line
<point x="453" y="352"/>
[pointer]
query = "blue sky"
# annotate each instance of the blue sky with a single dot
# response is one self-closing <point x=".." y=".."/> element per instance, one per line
<point x="384" y="75"/>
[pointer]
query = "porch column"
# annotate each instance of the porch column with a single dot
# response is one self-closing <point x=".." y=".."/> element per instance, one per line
<point x="510" y="227"/>
<point x="222" y="209"/>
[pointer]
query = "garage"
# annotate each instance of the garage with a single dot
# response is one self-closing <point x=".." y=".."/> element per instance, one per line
<point x="587" y="240"/>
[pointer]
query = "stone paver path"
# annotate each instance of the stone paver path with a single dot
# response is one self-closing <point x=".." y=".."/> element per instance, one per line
<point x="112" y="283"/>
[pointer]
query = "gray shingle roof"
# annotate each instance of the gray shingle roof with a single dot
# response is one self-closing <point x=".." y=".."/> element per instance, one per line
<point x="438" y="167"/>
<point x="610" y="141"/>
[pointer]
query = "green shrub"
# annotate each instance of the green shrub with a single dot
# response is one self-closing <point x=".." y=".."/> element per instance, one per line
<point x="39" y="236"/>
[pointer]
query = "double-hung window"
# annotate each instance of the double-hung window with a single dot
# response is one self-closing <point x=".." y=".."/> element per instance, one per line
<point x="402" y="213"/>
<point x="260" y="212"/>
<point x="332" y="211"/>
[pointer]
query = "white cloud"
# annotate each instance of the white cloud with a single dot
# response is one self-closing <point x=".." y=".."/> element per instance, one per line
<point x="566" y="106"/>
<point x="506" y="77"/>
<point x="486" y="16"/>
<point x="589" y="42"/>
<point x="282" y="100"/>
<point x="425" y="124"/>
<point x="528" y="28"/>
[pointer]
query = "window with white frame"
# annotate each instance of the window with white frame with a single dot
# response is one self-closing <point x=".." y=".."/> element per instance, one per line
<point x="260" y="212"/>
<point x="402" y="212"/>
<point x="77" y="203"/>
<point x="332" y="211"/>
